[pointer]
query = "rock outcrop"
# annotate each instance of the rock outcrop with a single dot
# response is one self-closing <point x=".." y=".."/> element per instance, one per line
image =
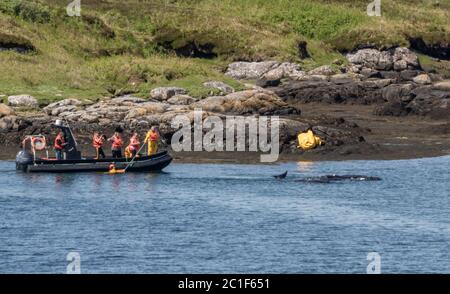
<point x="398" y="59"/>
<point x="23" y="101"/>
<point x="66" y="105"/>
<point x="5" y="110"/>
<point x="324" y="70"/>
<point x="9" y="121"/>
<point x="268" y="70"/>
<point x="247" y="102"/>
<point x="419" y="100"/>
<point x="221" y="86"/>
<point x="164" y="93"/>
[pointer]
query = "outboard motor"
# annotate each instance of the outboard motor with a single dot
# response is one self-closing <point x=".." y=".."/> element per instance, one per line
<point x="23" y="159"/>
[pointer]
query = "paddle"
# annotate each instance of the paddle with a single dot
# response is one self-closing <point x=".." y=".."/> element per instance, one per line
<point x="122" y="171"/>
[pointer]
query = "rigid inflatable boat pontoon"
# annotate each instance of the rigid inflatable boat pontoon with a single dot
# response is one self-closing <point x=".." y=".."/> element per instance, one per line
<point x="28" y="161"/>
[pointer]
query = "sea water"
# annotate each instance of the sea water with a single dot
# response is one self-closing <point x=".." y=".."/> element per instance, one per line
<point x="229" y="218"/>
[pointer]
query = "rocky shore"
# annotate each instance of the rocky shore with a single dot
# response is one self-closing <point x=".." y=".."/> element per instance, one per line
<point x="360" y="108"/>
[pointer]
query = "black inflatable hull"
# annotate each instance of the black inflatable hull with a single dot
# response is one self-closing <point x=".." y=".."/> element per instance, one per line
<point x="152" y="163"/>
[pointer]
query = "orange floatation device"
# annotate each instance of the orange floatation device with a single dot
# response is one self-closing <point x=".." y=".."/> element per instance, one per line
<point x="38" y="143"/>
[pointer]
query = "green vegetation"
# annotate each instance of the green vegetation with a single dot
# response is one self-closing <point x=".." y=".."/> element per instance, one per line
<point x="133" y="46"/>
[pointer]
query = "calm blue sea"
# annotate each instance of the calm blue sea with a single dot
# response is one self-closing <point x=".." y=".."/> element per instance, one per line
<point x="226" y="218"/>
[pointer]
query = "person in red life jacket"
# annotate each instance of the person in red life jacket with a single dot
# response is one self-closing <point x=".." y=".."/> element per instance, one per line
<point x="60" y="143"/>
<point x="117" y="144"/>
<point x="97" y="141"/>
<point x="135" y="145"/>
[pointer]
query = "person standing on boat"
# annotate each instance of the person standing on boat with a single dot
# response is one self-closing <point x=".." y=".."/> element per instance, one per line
<point x="135" y="145"/>
<point x="60" y="143"/>
<point x="152" y="139"/>
<point x="117" y="144"/>
<point x="97" y="141"/>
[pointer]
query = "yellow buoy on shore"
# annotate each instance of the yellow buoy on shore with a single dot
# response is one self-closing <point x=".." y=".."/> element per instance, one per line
<point x="308" y="140"/>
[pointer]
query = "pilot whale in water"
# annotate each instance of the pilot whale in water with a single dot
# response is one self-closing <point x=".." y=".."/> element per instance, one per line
<point x="336" y="178"/>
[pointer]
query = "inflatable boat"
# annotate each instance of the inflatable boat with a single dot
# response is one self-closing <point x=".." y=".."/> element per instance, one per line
<point x="29" y="161"/>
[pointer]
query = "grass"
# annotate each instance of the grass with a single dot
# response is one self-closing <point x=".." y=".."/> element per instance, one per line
<point x="130" y="46"/>
<point x="441" y="67"/>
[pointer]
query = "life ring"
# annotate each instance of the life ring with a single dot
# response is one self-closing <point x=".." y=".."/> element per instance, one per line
<point x="38" y="143"/>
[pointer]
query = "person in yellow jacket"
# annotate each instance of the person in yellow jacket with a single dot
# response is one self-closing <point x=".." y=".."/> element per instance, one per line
<point x="152" y="139"/>
<point x="308" y="140"/>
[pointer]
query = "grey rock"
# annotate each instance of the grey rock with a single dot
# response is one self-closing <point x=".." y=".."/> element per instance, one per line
<point x="341" y="79"/>
<point x="408" y="74"/>
<point x="224" y="88"/>
<point x="23" y="100"/>
<point x="181" y="100"/>
<point x="399" y="59"/>
<point x="250" y="70"/>
<point x="398" y="93"/>
<point x="406" y="55"/>
<point x="164" y="93"/>
<point x="246" y="102"/>
<point x="9" y="123"/>
<point x="284" y="70"/>
<point x="324" y="70"/>
<point x="127" y="100"/>
<point x="422" y="79"/>
<point x="370" y="73"/>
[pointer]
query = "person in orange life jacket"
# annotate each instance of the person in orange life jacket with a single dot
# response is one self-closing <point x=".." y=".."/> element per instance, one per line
<point x="60" y="144"/>
<point x="117" y="144"/>
<point x="97" y="141"/>
<point x="135" y="145"/>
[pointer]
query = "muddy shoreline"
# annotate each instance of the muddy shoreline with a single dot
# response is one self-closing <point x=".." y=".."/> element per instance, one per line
<point x="385" y="138"/>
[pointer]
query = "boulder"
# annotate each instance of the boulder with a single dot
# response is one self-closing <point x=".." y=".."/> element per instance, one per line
<point x="405" y="56"/>
<point x="341" y="90"/>
<point x="398" y="93"/>
<point x="264" y="83"/>
<point x="284" y="70"/>
<point x="181" y="100"/>
<point x="63" y="109"/>
<point x="224" y="88"/>
<point x="127" y="100"/>
<point x="62" y="106"/>
<point x="164" y="93"/>
<point x="371" y="58"/>
<point x="404" y="99"/>
<point x="289" y="128"/>
<point x="250" y="70"/>
<point x="317" y="78"/>
<point x="145" y="109"/>
<point x="422" y="79"/>
<point x="324" y="70"/>
<point x="9" y="123"/>
<point x="408" y="75"/>
<point x="341" y="79"/>
<point x="370" y="73"/>
<point x="23" y="100"/>
<point x="443" y="86"/>
<point x="399" y="59"/>
<point x="5" y="110"/>
<point x="430" y="102"/>
<point x="246" y="102"/>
